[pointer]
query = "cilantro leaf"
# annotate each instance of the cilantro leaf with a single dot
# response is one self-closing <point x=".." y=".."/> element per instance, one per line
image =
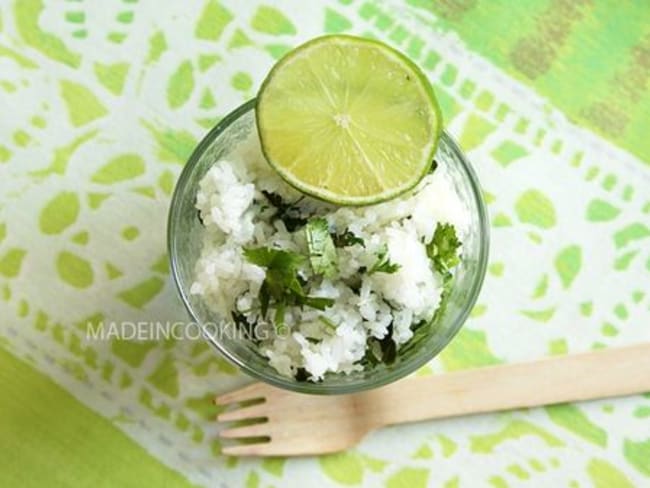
<point x="346" y="239"/>
<point x="322" y="253"/>
<point x="301" y="374"/>
<point x="264" y="298"/>
<point x="443" y="248"/>
<point x="319" y="303"/>
<point x="382" y="350"/>
<point x="421" y="331"/>
<point x="273" y="258"/>
<point x="288" y="213"/>
<point x="331" y="326"/>
<point x="383" y="263"/>
<point x="280" y="309"/>
<point x="281" y="280"/>
<point x="282" y="286"/>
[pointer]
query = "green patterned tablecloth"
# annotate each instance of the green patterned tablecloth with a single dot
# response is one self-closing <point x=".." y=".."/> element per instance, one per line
<point x="102" y="102"/>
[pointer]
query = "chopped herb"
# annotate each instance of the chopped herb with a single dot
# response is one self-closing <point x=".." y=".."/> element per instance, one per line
<point x="382" y="350"/>
<point x="383" y="263"/>
<point x="288" y="213"/>
<point x="282" y="285"/>
<point x="293" y="223"/>
<point x="421" y="331"/>
<point x="434" y="166"/>
<point x="275" y="200"/>
<point x="331" y="326"/>
<point x="281" y="265"/>
<point x="268" y="257"/>
<point x="241" y="322"/>
<point x="280" y="309"/>
<point x="388" y="346"/>
<point x="354" y="282"/>
<point x="443" y="248"/>
<point x="374" y="354"/>
<point x="239" y="319"/>
<point x="264" y="298"/>
<point x="322" y="253"/>
<point x="347" y="239"/>
<point x="389" y="304"/>
<point x="447" y="282"/>
<point x="319" y="303"/>
<point x="301" y="374"/>
<point x="281" y="281"/>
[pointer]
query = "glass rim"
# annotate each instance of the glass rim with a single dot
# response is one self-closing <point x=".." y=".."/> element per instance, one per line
<point x="323" y="388"/>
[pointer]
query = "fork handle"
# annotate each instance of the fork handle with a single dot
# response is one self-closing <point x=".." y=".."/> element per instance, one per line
<point x="606" y="373"/>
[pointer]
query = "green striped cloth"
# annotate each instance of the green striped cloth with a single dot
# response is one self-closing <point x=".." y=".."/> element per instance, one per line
<point x="101" y="104"/>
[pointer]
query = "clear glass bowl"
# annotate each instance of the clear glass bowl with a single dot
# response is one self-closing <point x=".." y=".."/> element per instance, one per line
<point x="184" y="234"/>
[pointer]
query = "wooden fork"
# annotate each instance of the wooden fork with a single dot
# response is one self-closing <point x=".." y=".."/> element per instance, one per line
<point x="300" y="424"/>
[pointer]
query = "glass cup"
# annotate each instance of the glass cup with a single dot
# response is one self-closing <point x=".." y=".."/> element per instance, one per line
<point x="184" y="236"/>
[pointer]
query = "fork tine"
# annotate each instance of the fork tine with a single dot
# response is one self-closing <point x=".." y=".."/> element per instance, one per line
<point x="260" y="449"/>
<point x="248" y="392"/>
<point x="254" y="411"/>
<point x="254" y="430"/>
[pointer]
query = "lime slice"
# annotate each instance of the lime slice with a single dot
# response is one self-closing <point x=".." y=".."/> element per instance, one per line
<point x="348" y="120"/>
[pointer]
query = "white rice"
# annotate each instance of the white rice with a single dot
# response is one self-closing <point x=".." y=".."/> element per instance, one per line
<point x="234" y="213"/>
